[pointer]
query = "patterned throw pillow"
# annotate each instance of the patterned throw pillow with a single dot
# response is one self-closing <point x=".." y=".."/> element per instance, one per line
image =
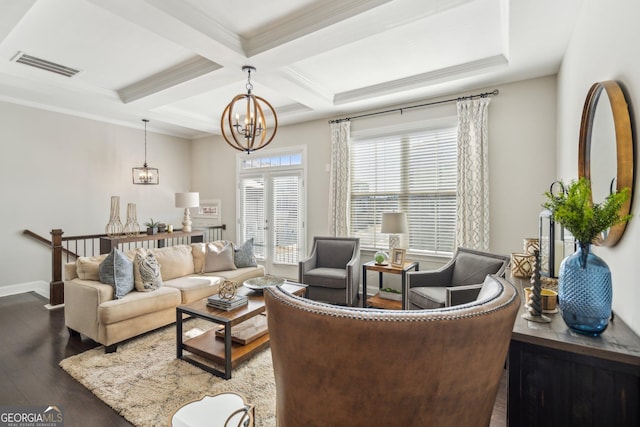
<point x="117" y="270"/>
<point x="218" y="258"/>
<point x="244" y="255"/>
<point x="147" y="272"/>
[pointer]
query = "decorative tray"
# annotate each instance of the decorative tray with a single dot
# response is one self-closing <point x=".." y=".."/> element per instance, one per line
<point x="259" y="283"/>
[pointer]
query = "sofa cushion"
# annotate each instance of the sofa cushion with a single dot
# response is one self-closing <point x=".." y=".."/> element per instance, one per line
<point x="117" y="270"/>
<point x="146" y="271"/>
<point x="244" y="255"/>
<point x="195" y="287"/>
<point x="241" y="274"/>
<point x="136" y="304"/>
<point x="175" y="261"/>
<point x="218" y="258"/>
<point x="326" y="277"/>
<point x="87" y="267"/>
<point x="428" y="297"/>
<point x="197" y="251"/>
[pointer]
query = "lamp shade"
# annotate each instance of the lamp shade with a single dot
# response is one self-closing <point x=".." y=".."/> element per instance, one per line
<point x="187" y="200"/>
<point x="394" y="223"/>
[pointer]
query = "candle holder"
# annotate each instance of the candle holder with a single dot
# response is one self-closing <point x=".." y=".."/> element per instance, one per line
<point x="522" y="265"/>
<point x="534" y="308"/>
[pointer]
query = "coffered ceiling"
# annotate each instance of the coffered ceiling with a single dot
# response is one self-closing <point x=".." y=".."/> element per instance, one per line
<point x="178" y="62"/>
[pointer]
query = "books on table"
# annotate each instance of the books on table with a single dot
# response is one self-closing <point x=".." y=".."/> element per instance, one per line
<point x="216" y="301"/>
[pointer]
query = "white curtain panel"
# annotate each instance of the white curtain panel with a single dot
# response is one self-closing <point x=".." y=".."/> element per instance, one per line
<point x="472" y="228"/>
<point x="339" y="181"/>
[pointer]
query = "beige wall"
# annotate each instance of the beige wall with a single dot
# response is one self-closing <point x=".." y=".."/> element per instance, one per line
<point x="603" y="47"/>
<point x="59" y="171"/>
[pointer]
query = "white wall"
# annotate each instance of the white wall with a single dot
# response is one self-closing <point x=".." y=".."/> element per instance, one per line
<point x="603" y="47"/>
<point x="522" y="161"/>
<point x="59" y="171"/>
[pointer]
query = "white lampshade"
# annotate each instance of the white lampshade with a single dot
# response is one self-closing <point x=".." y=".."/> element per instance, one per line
<point x="187" y="200"/>
<point x="394" y="223"/>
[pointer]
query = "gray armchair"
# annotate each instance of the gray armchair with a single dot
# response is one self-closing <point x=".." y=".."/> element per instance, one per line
<point x="457" y="282"/>
<point x="332" y="271"/>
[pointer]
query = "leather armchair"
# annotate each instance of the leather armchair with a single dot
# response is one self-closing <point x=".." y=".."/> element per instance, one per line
<point x="348" y="366"/>
<point x="457" y="282"/>
<point x="332" y="270"/>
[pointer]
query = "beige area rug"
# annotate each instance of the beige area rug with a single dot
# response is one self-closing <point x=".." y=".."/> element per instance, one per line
<point x="145" y="383"/>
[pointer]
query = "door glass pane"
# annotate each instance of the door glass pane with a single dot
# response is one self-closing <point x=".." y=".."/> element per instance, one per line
<point x="252" y="221"/>
<point x="286" y="219"/>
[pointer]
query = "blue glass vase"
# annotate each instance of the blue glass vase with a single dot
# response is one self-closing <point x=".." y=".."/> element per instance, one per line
<point x="584" y="291"/>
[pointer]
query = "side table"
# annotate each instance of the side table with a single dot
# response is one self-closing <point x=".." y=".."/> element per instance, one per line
<point x="388" y="268"/>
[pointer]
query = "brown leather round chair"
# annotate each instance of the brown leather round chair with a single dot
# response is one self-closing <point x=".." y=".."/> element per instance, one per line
<point x="342" y="366"/>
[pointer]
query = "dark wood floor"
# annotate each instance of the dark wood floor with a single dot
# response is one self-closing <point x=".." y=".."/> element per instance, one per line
<point x="33" y="340"/>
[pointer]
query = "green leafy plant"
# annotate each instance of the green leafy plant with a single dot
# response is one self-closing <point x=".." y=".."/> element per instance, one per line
<point x="380" y="257"/>
<point x="577" y="213"/>
<point x="391" y="290"/>
<point x="151" y="223"/>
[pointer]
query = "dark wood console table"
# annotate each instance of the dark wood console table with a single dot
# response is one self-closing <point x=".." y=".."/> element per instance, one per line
<point x="108" y="243"/>
<point x="560" y="378"/>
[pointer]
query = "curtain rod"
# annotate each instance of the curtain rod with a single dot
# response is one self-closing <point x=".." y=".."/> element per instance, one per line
<point x="462" y="98"/>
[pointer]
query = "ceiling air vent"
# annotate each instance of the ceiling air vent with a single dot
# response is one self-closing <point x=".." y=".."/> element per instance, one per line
<point x="43" y="64"/>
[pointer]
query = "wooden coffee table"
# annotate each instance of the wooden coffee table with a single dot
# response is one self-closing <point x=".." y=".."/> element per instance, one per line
<point x="224" y="352"/>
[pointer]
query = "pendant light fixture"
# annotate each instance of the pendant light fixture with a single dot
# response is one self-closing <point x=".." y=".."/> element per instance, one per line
<point x="145" y="175"/>
<point x="244" y="124"/>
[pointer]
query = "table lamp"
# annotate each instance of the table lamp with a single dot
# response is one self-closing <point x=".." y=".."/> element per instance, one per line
<point x="186" y="201"/>
<point x="394" y="223"/>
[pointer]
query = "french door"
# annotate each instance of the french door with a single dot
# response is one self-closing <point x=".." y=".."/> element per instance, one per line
<point x="271" y="210"/>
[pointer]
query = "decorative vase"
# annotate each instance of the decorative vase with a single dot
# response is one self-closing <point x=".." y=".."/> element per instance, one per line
<point x="131" y="227"/>
<point x="114" y="227"/>
<point x="585" y="292"/>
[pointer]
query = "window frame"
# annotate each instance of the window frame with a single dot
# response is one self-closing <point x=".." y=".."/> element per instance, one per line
<point x="404" y="195"/>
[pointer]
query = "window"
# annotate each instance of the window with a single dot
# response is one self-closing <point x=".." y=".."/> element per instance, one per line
<point x="271" y="195"/>
<point x="413" y="173"/>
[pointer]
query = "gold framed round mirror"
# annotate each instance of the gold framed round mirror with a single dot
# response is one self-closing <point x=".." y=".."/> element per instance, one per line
<point x="605" y="150"/>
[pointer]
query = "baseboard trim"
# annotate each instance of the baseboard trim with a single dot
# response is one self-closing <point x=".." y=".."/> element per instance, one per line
<point x="39" y="286"/>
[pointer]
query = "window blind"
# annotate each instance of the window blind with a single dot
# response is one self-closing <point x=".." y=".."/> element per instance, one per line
<point x="286" y="216"/>
<point x="252" y="218"/>
<point x="413" y="173"/>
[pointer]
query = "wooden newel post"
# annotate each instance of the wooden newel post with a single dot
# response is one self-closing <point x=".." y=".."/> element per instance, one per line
<point x="56" y="287"/>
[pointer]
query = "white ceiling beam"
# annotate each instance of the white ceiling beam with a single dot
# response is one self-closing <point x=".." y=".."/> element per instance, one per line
<point x="319" y="17"/>
<point x="179" y="74"/>
<point x="460" y="71"/>
<point x="187" y="28"/>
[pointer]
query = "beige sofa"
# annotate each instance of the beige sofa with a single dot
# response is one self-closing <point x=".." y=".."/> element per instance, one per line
<point x="92" y="309"/>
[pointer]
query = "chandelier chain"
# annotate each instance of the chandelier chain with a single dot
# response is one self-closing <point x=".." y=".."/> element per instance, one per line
<point x="249" y="85"/>
<point x="145" y="141"/>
